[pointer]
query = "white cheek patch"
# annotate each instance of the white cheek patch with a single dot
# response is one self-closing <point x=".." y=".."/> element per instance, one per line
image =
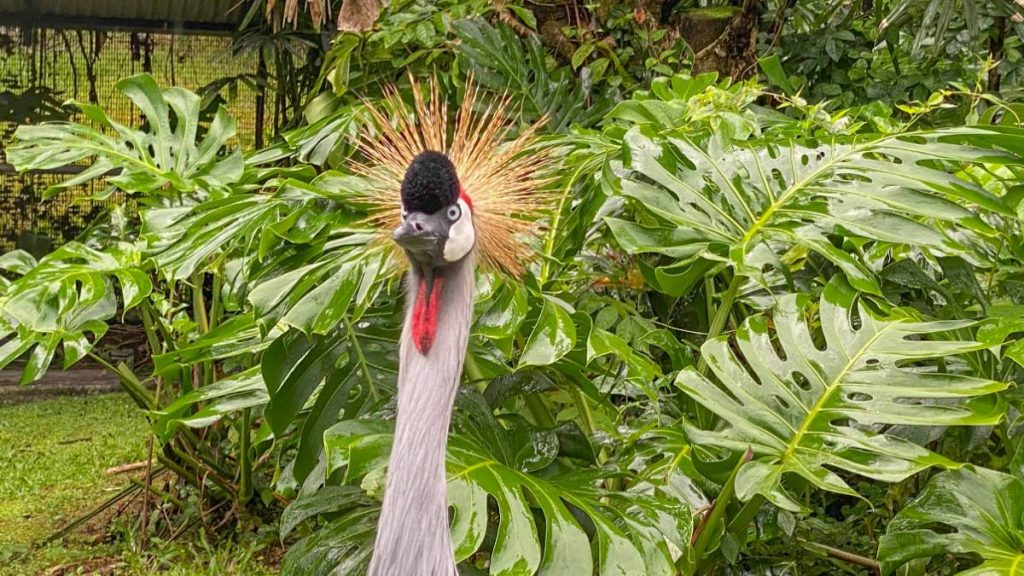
<point x="461" y="236"/>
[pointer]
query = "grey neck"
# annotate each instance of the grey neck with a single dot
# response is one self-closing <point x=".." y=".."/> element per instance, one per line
<point x="412" y="535"/>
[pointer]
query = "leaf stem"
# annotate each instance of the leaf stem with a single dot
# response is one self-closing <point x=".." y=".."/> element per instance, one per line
<point x="199" y="303"/>
<point x="704" y="417"/>
<point x="150" y="489"/>
<point x="159" y="326"/>
<point x="745" y="516"/>
<point x="539" y="410"/>
<point x="147" y="325"/>
<point x="244" y="458"/>
<point x="201" y="317"/>
<point x="128" y="381"/>
<point x="549" y="242"/>
<point x="869" y="563"/>
<point x="204" y="468"/>
<point x="144" y="518"/>
<point x="362" y="359"/>
<point x="476" y="376"/>
<point x="721" y="316"/>
<point x="586" y="416"/>
<point x="124" y="493"/>
<point x="717" y="515"/>
<point x="216" y="306"/>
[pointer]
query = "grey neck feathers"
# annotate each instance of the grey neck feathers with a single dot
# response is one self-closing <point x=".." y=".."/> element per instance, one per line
<point x="412" y="535"/>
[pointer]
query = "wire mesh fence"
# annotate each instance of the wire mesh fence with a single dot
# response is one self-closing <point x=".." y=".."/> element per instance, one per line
<point x="40" y="69"/>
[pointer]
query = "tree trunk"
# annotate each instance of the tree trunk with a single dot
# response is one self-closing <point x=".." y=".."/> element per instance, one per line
<point x="996" y="43"/>
<point x="723" y="39"/>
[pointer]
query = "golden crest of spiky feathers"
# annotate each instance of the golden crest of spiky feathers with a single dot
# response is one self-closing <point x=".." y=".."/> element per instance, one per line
<point x="504" y="176"/>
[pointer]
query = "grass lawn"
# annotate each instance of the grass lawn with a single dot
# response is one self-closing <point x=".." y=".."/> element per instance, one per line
<point x="53" y="454"/>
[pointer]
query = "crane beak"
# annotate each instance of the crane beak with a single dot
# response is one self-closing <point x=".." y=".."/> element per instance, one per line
<point x="422" y="239"/>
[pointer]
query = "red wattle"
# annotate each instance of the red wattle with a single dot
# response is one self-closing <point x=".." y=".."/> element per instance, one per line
<point x="424" y="315"/>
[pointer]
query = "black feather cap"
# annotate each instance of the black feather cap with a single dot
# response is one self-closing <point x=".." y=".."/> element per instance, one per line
<point x="430" y="183"/>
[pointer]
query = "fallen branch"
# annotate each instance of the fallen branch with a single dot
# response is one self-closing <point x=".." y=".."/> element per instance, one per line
<point x="88" y="516"/>
<point x="113" y="471"/>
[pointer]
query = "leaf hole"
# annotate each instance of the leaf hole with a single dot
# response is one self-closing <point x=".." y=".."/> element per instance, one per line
<point x="782" y="402"/>
<point x="777" y="347"/>
<point x="856" y="322"/>
<point x="859" y="397"/>
<point x="801" y="381"/>
<point x="779" y="178"/>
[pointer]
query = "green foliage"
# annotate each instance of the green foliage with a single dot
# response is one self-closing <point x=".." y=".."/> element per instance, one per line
<point x="766" y="200"/>
<point x="894" y="50"/>
<point x="64" y="299"/>
<point x="983" y="509"/>
<point x="171" y="152"/>
<point x="787" y="397"/>
<point x="501" y="61"/>
<point x="489" y="459"/>
<point x="734" y="304"/>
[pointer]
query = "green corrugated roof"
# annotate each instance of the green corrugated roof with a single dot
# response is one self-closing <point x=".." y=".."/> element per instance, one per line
<point x="211" y="13"/>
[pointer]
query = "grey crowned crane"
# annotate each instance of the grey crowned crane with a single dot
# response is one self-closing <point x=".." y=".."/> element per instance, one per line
<point x="448" y="199"/>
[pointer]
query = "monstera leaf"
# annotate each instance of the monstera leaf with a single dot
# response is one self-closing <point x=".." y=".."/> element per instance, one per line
<point x="309" y="258"/>
<point x="538" y="526"/>
<point x="627" y="528"/>
<point x="170" y="153"/>
<point x="805" y="408"/>
<point x="966" y="511"/>
<point x="64" y="299"/>
<point x="227" y="396"/>
<point x="748" y="205"/>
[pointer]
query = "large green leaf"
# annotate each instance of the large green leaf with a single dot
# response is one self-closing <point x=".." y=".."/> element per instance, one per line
<point x="688" y="102"/>
<point x="67" y="298"/>
<point x="966" y="511"/>
<point x="340" y="548"/>
<point x="626" y="538"/>
<point x="278" y="207"/>
<point x="315" y="381"/>
<point x="748" y="204"/>
<point x="227" y="396"/>
<point x="805" y="408"/>
<point x="294" y="367"/>
<point x="171" y="153"/>
<point x="631" y="531"/>
<point x="237" y="336"/>
<point x="308" y="258"/>
<point x="553" y="336"/>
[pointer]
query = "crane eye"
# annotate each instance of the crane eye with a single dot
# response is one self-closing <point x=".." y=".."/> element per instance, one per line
<point x="454" y="212"/>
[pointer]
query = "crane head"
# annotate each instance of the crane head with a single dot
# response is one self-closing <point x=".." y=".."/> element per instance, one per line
<point x="437" y="215"/>
<point x="433" y="163"/>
